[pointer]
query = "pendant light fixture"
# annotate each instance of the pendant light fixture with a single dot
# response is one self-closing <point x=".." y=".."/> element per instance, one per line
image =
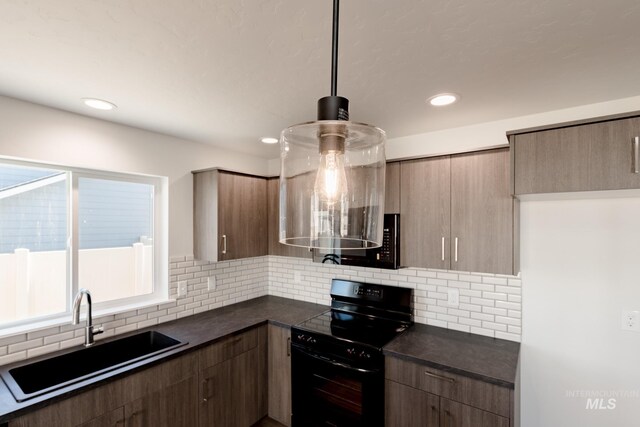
<point x="332" y="175"/>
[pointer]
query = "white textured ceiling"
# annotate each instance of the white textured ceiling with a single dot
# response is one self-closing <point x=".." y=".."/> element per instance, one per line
<point x="226" y="72"/>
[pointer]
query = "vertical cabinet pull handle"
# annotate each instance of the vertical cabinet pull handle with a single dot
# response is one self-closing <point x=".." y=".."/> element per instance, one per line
<point x="443" y="249"/>
<point x="205" y="390"/>
<point x="289" y="346"/>
<point x="456" y="251"/>
<point x="224" y="243"/>
<point x="636" y="154"/>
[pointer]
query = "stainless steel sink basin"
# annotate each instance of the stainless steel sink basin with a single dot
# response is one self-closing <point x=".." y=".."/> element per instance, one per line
<point x="30" y="379"/>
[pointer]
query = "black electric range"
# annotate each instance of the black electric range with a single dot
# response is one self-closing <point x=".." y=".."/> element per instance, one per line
<point x="337" y="360"/>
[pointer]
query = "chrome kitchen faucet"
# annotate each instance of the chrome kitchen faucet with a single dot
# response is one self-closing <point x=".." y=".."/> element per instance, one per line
<point x="89" y="332"/>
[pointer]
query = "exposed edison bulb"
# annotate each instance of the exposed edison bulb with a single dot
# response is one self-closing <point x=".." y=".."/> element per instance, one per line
<point x="331" y="180"/>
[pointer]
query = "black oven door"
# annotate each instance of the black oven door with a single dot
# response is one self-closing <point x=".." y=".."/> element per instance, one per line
<point x="328" y="392"/>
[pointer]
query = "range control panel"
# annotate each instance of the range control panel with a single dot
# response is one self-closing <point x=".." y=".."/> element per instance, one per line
<point x="367" y="291"/>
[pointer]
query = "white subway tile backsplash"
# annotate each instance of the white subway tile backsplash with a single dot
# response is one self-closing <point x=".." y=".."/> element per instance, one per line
<point x="56" y="338"/>
<point x="493" y="310"/>
<point x="25" y="345"/>
<point x="490" y="304"/>
<point x="495" y="280"/>
<point x="494" y="326"/>
<point x="507" y="336"/>
<point x="13" y="357"/>
<point x="482" y="316"/>
<point x="483" y="331"/>
<point x="43" y="350"/>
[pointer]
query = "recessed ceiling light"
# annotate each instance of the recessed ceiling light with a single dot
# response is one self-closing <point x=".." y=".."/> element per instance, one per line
<point x="99" y="104"/>
<point x="443" y="99"/>
<point x="269" y="140"/>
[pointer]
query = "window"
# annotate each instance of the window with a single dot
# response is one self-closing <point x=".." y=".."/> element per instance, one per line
<point x="62" y="229"/>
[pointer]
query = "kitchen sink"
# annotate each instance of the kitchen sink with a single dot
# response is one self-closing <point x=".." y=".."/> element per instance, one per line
<point x="30" y="379"/>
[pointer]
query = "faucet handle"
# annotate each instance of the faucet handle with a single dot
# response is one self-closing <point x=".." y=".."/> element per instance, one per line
<point x="98" y="330"/>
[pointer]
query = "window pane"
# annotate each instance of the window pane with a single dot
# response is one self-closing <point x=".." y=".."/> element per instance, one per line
<point x="115" y="230"/>
<point x="33" y="235"/>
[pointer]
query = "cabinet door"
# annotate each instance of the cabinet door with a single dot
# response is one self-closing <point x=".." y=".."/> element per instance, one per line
<point x="454" y="414"/>
<point x="481" y="212"/>
<point x="275" y="247"/>
<point x="114" y="418"/>
<point x="279" y="377"/>
<point x="409" y="407"/>
<point x="242" y="216"/>
<point x="392" y="188"/>
<point x="598" y="156"/>
<point x="233" y="392"/>
<point x="425" y="208"/>
<point x="175" y="405"/>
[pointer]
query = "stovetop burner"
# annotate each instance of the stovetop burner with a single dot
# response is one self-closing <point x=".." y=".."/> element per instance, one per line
<point x="354" y="328"/>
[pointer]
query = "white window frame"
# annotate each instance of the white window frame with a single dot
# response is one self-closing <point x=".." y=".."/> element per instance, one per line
<point x="160" y="279"/>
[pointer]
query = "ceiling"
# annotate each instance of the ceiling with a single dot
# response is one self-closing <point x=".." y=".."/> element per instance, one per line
<point x="227" y="72"/>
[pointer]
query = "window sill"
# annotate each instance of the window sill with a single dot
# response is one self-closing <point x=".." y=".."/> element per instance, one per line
<point x="65" y="319"/>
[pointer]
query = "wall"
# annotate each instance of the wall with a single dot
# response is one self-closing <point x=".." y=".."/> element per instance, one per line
<point x="40" y="133"/>
<point x="580" y="265"/>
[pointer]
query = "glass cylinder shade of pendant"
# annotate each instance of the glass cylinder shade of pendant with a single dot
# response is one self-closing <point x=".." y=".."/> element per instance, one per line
<point x="332" y="181"/>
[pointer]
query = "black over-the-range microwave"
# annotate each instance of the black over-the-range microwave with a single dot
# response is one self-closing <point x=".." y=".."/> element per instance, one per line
<point x="386" y="256"/>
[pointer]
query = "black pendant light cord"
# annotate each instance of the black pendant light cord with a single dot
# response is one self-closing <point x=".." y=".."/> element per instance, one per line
<point x="334" y="107"/>
<point x="334" y="53"/>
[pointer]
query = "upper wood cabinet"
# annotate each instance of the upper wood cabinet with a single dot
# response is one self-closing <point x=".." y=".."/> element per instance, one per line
<point x="392" y="188"/>
<point x="425" y="212"/>
<point x="577" y="157"/>
<point x="275" y="247"/>
<point x="482" y="212"/>
<point x="229" y="215"/>
<point x="457" y="213"/>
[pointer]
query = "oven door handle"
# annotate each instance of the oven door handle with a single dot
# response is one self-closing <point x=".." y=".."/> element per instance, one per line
<point x="341" y="365"/>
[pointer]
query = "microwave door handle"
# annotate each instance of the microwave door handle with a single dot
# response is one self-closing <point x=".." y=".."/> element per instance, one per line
<point x="342" y="365"/>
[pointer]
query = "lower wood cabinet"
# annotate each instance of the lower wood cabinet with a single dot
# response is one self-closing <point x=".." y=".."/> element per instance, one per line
<point x="455" y="414"/>
<point x="407" y="406"/>
<point x="279" y="374"/>
<point x="419" y="396"/>
<point x="110" y="419"/>
<point x="233" y="379"/>
<point x="171" y="406"/>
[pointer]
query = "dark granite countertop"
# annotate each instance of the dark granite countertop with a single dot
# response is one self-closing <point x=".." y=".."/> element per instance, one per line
<point x="483" y="358"/>
<point x="488" y="359"/>
<point x="199" y="330"/>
